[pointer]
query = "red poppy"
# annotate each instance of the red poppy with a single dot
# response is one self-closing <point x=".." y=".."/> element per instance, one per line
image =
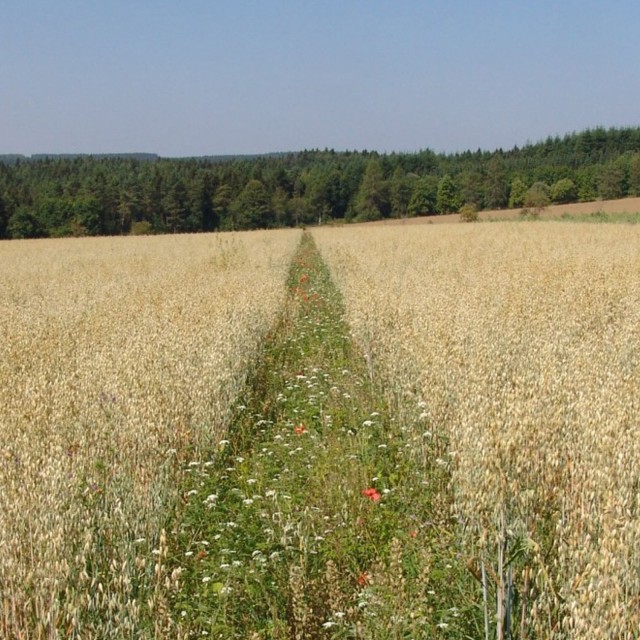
<point x="363" y="579"/>
<point x="413" y="533"/>
<point x="300" y="429"/>
<point x="372" y="494"/>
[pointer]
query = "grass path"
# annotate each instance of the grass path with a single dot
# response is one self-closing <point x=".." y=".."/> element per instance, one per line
<point x="320" y="516"/>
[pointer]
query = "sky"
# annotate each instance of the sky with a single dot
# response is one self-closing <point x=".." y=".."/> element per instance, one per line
<point x="209" y="77"/>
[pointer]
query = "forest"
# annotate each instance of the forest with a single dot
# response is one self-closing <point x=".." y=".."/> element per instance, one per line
<point x="118" y="194"/>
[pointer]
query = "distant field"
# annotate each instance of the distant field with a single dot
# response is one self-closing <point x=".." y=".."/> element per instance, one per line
<point x="579" y="209"/>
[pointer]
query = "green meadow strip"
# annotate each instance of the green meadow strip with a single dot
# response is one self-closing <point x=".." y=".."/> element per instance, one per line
<point x="603" y="216"/>
<point x="320" y="516"/>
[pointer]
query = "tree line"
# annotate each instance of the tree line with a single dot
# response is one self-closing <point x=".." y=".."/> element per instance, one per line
<point x="54" y="196"/>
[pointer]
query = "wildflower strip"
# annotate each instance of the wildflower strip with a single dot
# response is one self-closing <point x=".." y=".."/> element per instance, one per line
<point x="313" y="518"/>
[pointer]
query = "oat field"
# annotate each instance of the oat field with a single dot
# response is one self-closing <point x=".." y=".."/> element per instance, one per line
<point x="119" y="359"/>
<point x="524" y="342"/>
<point x="414" y="432"/>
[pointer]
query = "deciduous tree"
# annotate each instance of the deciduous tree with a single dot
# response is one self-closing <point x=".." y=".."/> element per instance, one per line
<point x="564" y="191"/>
<point x="24" y="224"/>
<point x="537" y="198"/>
<point x="517" y="193"/>
<point x="634" y="175"/>
<point x="447" y="199"/>
<point x="423" y="196"/>
<point x="252" y="208"/>
<point x="612" y="180"/>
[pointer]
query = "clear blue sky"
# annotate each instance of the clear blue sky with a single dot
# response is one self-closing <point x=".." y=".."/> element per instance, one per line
<point x="196" y="77"/>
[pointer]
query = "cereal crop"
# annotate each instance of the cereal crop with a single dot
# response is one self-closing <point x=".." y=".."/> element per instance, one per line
<point x="119" y="361"/>
<point x="523" y="342"/>
<point x="204" y="436"/>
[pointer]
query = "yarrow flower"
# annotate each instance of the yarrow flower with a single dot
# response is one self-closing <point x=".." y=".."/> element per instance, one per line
<point x="372" y="493"/>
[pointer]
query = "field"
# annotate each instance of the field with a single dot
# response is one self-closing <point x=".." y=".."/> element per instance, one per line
<point x="523" y="342"/>
<point x="372" y="433"/>
<point x="118" y="364"/>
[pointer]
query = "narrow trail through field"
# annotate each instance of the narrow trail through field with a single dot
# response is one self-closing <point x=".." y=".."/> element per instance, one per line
<point x="319" y="516"/>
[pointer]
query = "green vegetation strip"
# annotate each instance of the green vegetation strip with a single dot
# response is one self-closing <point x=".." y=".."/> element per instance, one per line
<point x="320" y="516"/>
<point x="619" y="217"/>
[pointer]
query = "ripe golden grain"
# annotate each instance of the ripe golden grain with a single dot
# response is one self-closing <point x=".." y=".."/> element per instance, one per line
<point x="522" y="340"/>
<point x="119" y="360"/>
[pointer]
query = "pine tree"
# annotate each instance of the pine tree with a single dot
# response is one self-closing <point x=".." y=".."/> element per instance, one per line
<point x="3" y="218"/>
<point x="400" y="193"/>
<point x="372" y="202"/>
<point x="252" y="208"/>
<point x="496" y="195"/>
